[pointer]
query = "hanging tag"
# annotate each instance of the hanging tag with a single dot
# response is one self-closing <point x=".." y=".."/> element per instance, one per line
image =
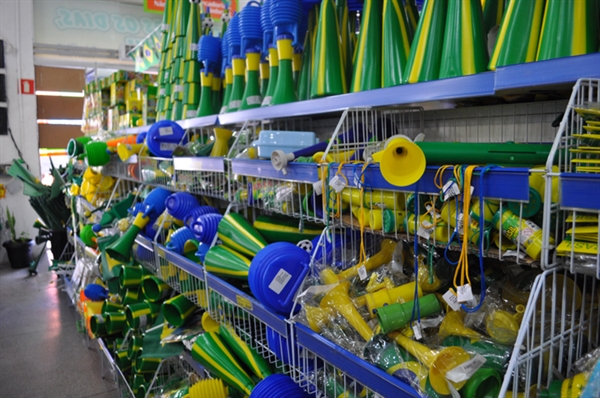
<point x="193" y="46"/>
<point x="417" y="331"/>
<point x="464" y="293"/>
<point x="143" y="321"/>
<point x="362" y="272"/>
<point x="434" y="213"/>
<point x="453" y="392"/>
<point x="472" y="189"/>
<point x="357" y="182"/>
<point x="425" y="230"/>
<point x="460" y="224"/>
<point x="337" y="183"/>
<point x="465" y="370"/>
<point x="448" y="190"/>
<point x="450" y="298"/>
<point x="318" y="187"/>
<point x="431" y="322"/>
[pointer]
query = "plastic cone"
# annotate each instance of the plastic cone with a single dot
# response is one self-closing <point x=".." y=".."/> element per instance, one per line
<point x="569" y="28"/>
<point x="216" y="91"/>
<point x="192" y="34"/>
<point x="303" y="85"/>
<point x="264" y="78"/>
<point x="223" y="261"/>
<point x="465" y="50"/>
<point x="168" y="15"/>
<point x="519" y="34"/>
<point x="273" y="74"/>
<point x="210" y="351"/>
<point x="367" y="60"/>
<point x="328" y="77"/>
<point x="177" y="111"/>
<point x="423" y="62"/>
<point x="252" y="98"/>
<point x="256" y="363"/>
<point x="191" y="94"/>
<point x="191" y="71"/>
<point x="296" y="65"/>
<point x="227" y="94"/>
<point x="396" y="43"/>
<point x="172" y="23"/>
<point x="237" y="233"/>
<point x="346" y="41"/>
<point x="206" y="105"/>
<point x="493" y="10"/>
<point x="285" y="89"/>
<point x="238" y="84"/>
<point x="182" y="16"/>
<point x="177" y="310"/>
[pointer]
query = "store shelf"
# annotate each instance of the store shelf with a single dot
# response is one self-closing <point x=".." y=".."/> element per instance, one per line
<point x="479" y="85"/>
<point x="247" y="302"/>
<point x="499" y="183"/>
<point x="198" y="122"/>
<point x="547" y="73"/>
<point x="199" y="164"/>
<point x="182" y="262"/>
<point x="352" y="366"/>
<point x="580" y="191"/>
<point x="300" y="172"/>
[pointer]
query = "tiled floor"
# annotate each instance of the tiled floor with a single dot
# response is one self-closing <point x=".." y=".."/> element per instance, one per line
<point x="42" y="355"/>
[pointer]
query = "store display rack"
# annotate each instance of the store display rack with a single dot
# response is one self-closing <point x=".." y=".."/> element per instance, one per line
<point x="296" y="346"/>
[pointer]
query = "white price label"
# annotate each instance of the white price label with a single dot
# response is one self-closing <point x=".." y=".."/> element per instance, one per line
<point x="235" y="104"/>
<point x="281" y="279"/>
<point x="464" y="293"/>
<point x="436" y="214"/>
<point x="143" y="321"/>
<point x="450" y="190"/>
<point x="318" y="187"/>
<point x="465" y="370"/>
<point x="450" y="298"/>
<point x="254" y="100"/>
<point x="164" y="27"/>
<point x="165" y="131"/>
<point x="193" y="46"/>
<point x="99" y="318"/>
<point x="337" y="183"/>
<point x="424" y="233"/>
<point x="417" y="331"/>
<point x="431" y="322"/>
<point x="267" y="101"/>
<point x="167" y="146"/>
<point x="191" y="113"/>
<point x="178" y="88"/>
<point x="162" y="92"/>
<point x="460" y="224"/>
<point x="362" y="272"/>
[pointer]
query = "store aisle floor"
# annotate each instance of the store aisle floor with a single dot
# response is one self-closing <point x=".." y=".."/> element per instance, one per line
<point x="41" y="353"/>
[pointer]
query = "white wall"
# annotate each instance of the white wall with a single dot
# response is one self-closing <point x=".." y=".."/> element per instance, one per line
<point x="16" y="29"/>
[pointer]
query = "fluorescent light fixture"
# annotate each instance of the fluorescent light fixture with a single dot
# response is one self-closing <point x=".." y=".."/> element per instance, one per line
<point x="69" y="122"/>
<point x="59" y="93"/>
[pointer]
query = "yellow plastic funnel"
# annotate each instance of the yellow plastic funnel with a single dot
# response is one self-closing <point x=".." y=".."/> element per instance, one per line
<point x="402" y="162"/>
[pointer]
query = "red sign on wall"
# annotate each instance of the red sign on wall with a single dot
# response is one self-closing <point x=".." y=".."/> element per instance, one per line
<point x="155" y="6"/>
<point x="27" y="86"/>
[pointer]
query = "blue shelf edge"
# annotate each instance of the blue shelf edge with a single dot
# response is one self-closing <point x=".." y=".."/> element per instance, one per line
<point x="204" y="121"/>
<point x="145" y="242"/>
<point x="199" y="164"/>
<point x="499" y="183"/>
<point x="276" y="322"/>
<point x="301" y="172"/>
<point x="182" y="262"/>
<point x="353" y="366"/>
<point x="552" y="71"/>
<point x="583" y="191"/>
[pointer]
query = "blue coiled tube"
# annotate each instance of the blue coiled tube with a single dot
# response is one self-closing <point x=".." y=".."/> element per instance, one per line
<point x="224" y="52"/>
<point x="250" y="27"/>
<point x="285" y="17"/>
<point x="267" y="26"/>
<point x="209" y="52"/>
<point x="235" y="38"/>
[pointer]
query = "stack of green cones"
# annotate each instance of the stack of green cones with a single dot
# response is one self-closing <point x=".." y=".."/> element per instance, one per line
<point x="191" y="67"/>
<point x="367" y="60"/>
<point x="179" y="43"/>
<point x="493" y="10"/>
<point x="285" y="88"/>
<point x="396" y="42"/>
<point x="224" y="261"/>
<point x="519" y="34"/>
<point x="206" y="106"/>
<point x="238" y="85"/>
<point x="412" y="15"/>
<point x="216" y="91"/>
<point x="465" y="50"/>
<point x="227" y="89"/>
<point x="569" y="28"/>
<point x="328" y="75"/>
<point x="264" y="77"/>
<point x="177" y="310"/>
<point x="296" y="65"/>
<point x="273" y="74"/>
<point x="423" y="62"/>
<point x="303" y="85"/>
<point x="252" y="97"/>
<point x="250" y="357"/>
<point x="347" y="36"/>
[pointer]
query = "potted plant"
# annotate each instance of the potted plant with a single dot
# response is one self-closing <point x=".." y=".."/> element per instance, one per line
<point x="18" y="248"/>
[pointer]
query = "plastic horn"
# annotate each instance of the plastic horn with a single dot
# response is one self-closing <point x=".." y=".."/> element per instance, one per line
<point x="502" y="326"/>
<point x="496" y="355"/>
<point x="383" y="257"/>
<point x="400" y="294"/>
<point x="238" y="84"/>
<point x="121" y="249"/>
<point x="328" y="75"/>
<point x="125" y="151"/>
<point x="568" y="388"/>
<point x="512" y="154"/>
<point x="439" y="362"/>
<point x="367" y="58"/>
<point x="177" y="310"/>
<point x="402" y="162"/>
<point x="117" y="211"/>
<point x="237" y="233"/>
<point x="465" y="51"/>
<point x="453" y="325"/>
<point x="273" y="74"/>
<point x="397" y="36"/>
<point x="227" y="92"/>
<point x="317" y="317"/>
<point x="154" y="289"/>
<point x="140" y="315"/>
<point x="285" y="89"/>
<point x="396" y="316"/>
<point x="206" y="105"/>
<point x="222" y="260"/>
<point x="337" y="298"/>
<point x="252" y="97"/>
<point x="213" y="388"/>
<point x="486" y="382"/>
<point x="221" y="146"/>
<point x="210" y="351"/>
<point x="249" y="356"/>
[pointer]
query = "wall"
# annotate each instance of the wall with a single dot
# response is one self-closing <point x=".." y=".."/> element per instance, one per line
<point x="16" y="29"/>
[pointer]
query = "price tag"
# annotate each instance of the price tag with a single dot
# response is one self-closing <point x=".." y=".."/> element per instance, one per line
<point x="337" y="183"/>
<point x="465" y="370"/>
<point x="450" y="298"/>
<point x="193" y="46"/>
<point x="460" y="224"/>
<point x="254" y="100"/>
<point x="143" y="321"/>
<point x="362" y="272"/>
<point x="431" y="322"/>
<point x="432" y="211"/>
<point x="465" y="293"/>
<point x="450" y="190"/>
<point x="417" y="331"/>
<point x="165" y="131"/>
<point x="425" y="230"/>
<point x="318" y="187"/>
<point x="281" y="279"/>
<point x="178" y="88"/>
<point x="164" y="27"/>
<point x="453" y="392"/>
